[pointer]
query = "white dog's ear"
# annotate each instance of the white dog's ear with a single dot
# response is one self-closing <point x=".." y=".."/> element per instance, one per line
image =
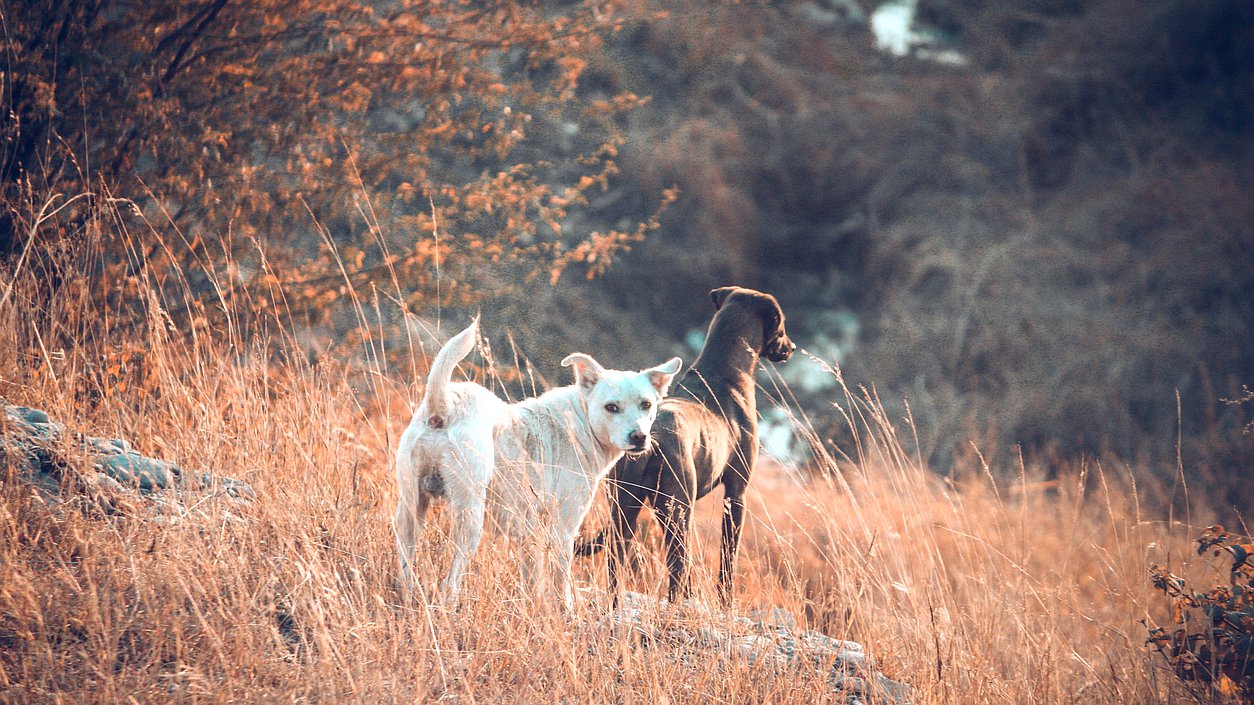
<point x="587" y="370"/>
<point x="662" y="375"/>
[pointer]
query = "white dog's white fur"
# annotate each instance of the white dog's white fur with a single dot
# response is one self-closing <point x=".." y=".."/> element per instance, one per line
<point x="532" y="467"/>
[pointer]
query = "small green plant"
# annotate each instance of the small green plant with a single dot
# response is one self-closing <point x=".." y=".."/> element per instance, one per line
<point x="1213" y="639"/>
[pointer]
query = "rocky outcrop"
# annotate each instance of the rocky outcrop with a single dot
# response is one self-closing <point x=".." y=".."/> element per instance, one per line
<point x="690" y="632"/>
<point x="42" y="450"/>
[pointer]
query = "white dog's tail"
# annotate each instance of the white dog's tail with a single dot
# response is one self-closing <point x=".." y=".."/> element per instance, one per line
<point x="435" y="398"/>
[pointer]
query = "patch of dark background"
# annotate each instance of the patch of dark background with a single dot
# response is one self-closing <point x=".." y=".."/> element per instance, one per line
<point x="1042" y="247"/>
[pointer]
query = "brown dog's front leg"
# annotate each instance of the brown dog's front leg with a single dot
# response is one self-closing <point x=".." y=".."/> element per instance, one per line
<point x="733" y="521"/>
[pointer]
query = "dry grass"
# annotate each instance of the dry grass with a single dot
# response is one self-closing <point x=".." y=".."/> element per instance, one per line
<point x="989" y="587"/>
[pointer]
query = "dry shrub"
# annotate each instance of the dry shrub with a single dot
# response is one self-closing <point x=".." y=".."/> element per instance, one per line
<point x="1213" y="639"/>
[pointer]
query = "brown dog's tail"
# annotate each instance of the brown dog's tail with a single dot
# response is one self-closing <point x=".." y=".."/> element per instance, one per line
<point x="591" y="546"/>
<point x="435" y="397"/>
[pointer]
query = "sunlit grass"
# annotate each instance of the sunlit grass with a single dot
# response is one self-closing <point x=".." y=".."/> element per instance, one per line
<point x="993" y="585"/>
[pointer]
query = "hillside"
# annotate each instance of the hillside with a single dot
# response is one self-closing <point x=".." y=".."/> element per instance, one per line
<point x="994" y="585"/>
<point x="1015" y="247"/>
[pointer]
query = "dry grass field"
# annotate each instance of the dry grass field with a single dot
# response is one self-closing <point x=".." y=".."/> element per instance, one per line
<point x="215" y="218"/>
<point x="992" y="585"/>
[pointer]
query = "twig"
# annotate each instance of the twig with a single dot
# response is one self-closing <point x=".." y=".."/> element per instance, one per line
<point x="40" y="219"/>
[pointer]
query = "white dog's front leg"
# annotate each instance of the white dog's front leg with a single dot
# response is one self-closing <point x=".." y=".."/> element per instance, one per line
<point x="562" y="545"/>
<point x="561" y="570"/>
<point x="531" y="567"/>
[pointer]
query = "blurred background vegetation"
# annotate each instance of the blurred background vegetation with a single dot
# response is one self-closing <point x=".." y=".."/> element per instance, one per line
<point x="1026" y="222"/>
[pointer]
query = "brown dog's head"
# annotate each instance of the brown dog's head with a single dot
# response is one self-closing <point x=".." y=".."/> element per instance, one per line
<point x="775" y="344"/>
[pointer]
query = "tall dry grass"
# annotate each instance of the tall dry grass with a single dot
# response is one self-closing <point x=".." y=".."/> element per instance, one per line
<point x="988" y="586"/>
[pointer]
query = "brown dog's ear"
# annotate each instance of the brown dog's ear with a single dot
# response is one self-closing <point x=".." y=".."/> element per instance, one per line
<point x="718" y="296"/>
<point x="587" y="370"/>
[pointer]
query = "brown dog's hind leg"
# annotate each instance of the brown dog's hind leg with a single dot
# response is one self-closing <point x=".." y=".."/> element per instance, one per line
<point x="673" y="502"/>
<point x="674" y="498"/>
<point x="676" y="519"/>
<point x="624" y="513"/>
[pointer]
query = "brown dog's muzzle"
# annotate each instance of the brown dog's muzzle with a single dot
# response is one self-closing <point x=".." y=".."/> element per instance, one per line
<point x="779" y="349"/>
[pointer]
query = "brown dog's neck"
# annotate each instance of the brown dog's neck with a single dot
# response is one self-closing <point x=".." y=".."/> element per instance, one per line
<point x="727" y="362"/>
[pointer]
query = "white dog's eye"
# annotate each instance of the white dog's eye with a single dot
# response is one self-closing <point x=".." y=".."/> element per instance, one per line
<point x="612" y="408"/>
<point x="646" y="404"/>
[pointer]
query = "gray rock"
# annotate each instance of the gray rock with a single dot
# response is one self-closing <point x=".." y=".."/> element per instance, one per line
<point x="34" y="423"/>
<point x="774" y="617"/>
<point x="132" y="469"/>
<point x="236" y="488"/>
<point x="847" y="656"/>
<point x="898" y="692"/>
<point x="105" y="482"/>
<point x="33" y="416"/>
<point x="759" y="651"/>
<point x="37" y="440"/>
<point x="826" y="13"/>
<point x="690" y="632"/>
<point x="106" y="446"/>
<point x="855" y="689"/>
<point x="228" y="485"/>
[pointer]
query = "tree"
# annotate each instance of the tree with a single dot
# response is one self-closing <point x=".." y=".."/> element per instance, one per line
<point x="316" y="144"/>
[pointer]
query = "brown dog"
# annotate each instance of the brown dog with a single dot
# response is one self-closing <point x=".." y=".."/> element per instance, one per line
<point x="705" y="435"/>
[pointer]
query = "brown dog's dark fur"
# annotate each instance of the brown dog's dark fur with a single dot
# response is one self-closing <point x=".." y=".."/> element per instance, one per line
<point x="705" y="435"/>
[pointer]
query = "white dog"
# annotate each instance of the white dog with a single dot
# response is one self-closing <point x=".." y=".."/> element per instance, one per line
<point x="536" y="463"/>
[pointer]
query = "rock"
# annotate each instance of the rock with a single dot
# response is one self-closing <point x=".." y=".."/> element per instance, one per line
<point x="899" y="692"/>
<point x="826" y="13"/>
<point x="844" y="655"/>
<point x="228" y="485"/>
<point x="39" y="444"/>
<point x="690" y="632"/>
<point x="33" y="416"/>
<point x="775" y="617"/>
<point x="106" y="446"/>
<point x="818" y="15"/>
<point x="34" y="423"/>
<point x="759" y="651"/>
<point x="132" y="469"/>
<point x="107" y="483"/>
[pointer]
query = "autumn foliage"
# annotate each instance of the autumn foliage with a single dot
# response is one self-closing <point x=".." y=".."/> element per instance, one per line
<point x="1212" y="636"/>
<point x="313" y="146"/>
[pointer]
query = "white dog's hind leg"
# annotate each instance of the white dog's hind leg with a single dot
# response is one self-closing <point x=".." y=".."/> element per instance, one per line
<point x="466" y="489"/>
<point x="467" y="533"/>
<point x="410" y="515"/>
<point x="408" y="523"/>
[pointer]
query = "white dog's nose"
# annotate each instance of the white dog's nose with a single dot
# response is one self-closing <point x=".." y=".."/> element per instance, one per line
<point x="637" y="440"/>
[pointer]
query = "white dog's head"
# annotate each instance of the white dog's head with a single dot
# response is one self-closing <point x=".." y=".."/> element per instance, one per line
<point x="621" y="405"/>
